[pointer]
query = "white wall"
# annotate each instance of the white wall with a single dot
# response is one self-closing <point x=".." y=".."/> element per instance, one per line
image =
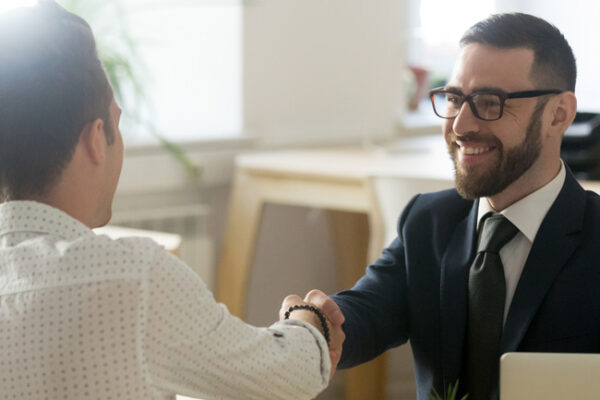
<point x="322" y="70"/>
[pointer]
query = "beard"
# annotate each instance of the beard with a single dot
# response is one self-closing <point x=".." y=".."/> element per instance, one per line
<point x="475" y="182"/>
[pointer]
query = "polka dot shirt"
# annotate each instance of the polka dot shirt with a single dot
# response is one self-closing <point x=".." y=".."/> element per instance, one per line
<point x="86" y="317"/>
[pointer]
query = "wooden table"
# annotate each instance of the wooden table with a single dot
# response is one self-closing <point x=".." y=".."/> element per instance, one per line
<point x="341" y="181"/>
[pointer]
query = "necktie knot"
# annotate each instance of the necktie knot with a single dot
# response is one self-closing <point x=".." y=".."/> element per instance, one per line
<point x="497" y="231"/>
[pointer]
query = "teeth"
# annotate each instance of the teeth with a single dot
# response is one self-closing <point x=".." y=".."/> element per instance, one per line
<point x="474" y="150"/>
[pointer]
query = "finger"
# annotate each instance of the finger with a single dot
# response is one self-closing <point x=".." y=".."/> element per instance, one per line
<point x="326" y="305"/>
<point x="289" y="301"/>
<point x="337" y="338"/>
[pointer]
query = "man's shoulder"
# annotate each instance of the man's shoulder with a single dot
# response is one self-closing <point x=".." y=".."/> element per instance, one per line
<point x="434" y="213"/>
<point x="447" y="195"/>
<point x="443" y="203"/>
<point x="138" y="248"/>
<point x="576" y="203"/>
<point x="592" y="209"/>
<point x="592" y="199"/>
<point x="132" y="243"/>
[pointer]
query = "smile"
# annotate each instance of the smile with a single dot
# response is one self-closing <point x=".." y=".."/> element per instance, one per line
<point x="473" y="150"/>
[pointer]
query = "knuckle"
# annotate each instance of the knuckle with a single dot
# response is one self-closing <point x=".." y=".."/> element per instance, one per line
<point x="318" y="298"/>
<point x="313" y="295"/>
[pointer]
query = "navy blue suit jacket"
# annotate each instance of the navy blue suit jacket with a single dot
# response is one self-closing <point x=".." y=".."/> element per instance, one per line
<point x="417" y="289"/>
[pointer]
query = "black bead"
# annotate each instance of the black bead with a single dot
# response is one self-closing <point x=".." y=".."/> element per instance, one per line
<point x="317" y="312"/>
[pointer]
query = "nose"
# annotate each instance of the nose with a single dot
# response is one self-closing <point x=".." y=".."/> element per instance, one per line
<point x="465" y="121"/>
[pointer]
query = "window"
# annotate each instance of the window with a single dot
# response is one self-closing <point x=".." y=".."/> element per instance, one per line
<point x="185" y="56"/>
<point x="191" y="51"/>
<point x="435" y="27"/>
<point x="578" y="22"/>
<point x="8" y="4"/>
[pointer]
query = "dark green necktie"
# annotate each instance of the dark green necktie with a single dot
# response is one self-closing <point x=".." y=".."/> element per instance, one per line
<point x="487" y="293"/>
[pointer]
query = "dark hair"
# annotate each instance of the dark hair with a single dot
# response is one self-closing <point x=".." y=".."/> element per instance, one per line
<point x="51" y="84"/>
<point x="554" y="63"/>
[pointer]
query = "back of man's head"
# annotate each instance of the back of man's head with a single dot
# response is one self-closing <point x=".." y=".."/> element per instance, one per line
<point x="51" y="84"/>
<point x="554" y="64"/>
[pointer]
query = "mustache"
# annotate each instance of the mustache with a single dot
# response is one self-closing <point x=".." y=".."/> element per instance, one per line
<point x="473" y="137"/>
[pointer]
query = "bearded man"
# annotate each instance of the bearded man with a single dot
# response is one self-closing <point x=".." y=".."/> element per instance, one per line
<point x="506" y="261"/>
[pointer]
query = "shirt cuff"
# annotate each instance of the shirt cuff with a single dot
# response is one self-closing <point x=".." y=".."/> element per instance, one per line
<point x="319" y="341"/>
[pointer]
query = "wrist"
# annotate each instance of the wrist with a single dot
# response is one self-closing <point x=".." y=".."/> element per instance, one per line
<point x="306" y="316"/>
<point x="312" y="315"/>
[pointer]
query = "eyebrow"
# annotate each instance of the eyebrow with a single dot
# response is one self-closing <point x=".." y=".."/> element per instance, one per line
<point x="455" y="89"/>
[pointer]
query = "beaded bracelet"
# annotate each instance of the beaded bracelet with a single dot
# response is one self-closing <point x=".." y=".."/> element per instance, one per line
<point x="317" y="312"/>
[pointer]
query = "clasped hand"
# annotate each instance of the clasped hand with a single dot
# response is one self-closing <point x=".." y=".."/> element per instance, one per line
<point x="332" y="313"/>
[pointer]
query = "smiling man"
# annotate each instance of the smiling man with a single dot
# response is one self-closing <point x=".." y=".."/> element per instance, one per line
<point x="496" y="142"/>
<point x="506" y="261"/>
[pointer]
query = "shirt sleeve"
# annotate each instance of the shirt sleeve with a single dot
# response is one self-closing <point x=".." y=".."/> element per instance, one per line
<point x="194" y="347"/>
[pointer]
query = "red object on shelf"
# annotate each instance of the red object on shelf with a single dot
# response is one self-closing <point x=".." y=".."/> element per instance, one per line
<point x="421" y="80"/>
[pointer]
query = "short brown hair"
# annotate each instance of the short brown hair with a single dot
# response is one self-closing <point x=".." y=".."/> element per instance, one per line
<point x="554" y="65"/>
<point x="51" y="84"/>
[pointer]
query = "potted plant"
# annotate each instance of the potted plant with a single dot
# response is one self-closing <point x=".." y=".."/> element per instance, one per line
<point x="449" y="395"/>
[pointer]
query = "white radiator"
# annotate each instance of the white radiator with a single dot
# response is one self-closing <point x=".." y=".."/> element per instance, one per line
<point x="190" y="222"/>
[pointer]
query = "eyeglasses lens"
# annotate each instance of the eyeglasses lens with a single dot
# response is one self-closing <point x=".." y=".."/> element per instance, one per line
<point x="448" y="105"/>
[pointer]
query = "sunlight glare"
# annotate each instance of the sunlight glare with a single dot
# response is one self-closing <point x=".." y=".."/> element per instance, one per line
<point x="6" y="5"/>
<point x="445" y="22"/>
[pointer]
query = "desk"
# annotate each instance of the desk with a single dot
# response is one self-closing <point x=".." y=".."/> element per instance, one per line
<point x="344" y="182"/>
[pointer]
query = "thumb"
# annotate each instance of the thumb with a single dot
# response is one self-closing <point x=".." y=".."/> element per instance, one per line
<point x="289" y="301"/>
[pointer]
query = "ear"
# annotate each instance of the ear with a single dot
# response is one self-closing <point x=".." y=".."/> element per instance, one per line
<point x="563" y="109"/>
<point x="93" y="140"/>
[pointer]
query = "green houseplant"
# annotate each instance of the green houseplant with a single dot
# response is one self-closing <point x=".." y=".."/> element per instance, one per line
<point x="118" y="52"/>
<point x="450" y="394"/>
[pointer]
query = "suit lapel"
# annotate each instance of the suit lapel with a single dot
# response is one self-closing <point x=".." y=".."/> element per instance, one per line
<point x="453" y="297"/>
<point x="556" y="240"/>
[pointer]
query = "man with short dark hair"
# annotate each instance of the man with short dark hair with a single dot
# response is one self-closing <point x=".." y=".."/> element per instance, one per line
<point x="507" y="261"/>
<point x="41" y="79"/>
<point x="83" y="316"/>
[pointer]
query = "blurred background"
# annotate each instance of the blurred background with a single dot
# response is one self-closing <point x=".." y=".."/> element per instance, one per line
<point x="201" y="81"/>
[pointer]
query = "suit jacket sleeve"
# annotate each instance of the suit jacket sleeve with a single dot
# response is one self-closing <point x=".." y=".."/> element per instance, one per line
<point x="376" y="308"/>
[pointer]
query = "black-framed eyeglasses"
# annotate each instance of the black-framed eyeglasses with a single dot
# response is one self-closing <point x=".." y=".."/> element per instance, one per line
<point x="487" y="105"/>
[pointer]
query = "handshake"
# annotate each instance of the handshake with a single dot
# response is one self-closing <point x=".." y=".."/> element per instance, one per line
<point x="333" y="319"/>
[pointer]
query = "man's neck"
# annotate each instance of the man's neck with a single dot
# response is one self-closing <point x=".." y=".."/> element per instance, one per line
<point x="65" y="202"/>
<point x="528" y="183"/>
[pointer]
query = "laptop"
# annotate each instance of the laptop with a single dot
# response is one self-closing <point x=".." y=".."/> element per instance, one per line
<point x="549" y="376"/>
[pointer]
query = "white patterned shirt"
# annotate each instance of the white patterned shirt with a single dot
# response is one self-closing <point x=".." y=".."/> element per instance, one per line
<point x="86" y="317"/>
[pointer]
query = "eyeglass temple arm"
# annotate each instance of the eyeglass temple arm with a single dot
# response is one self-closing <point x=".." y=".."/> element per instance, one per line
<point x="531" y="93"/>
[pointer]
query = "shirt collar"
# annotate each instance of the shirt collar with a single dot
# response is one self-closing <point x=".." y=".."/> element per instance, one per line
<point x="31" y="216"/>
<point x="528" y="213"/>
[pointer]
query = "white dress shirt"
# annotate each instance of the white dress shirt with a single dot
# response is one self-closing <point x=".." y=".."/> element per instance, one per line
<point x="527" y="215"/>
<point x="86" y="317"/>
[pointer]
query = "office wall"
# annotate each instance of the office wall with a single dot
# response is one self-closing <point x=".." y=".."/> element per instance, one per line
<point x="318" y="71"/>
